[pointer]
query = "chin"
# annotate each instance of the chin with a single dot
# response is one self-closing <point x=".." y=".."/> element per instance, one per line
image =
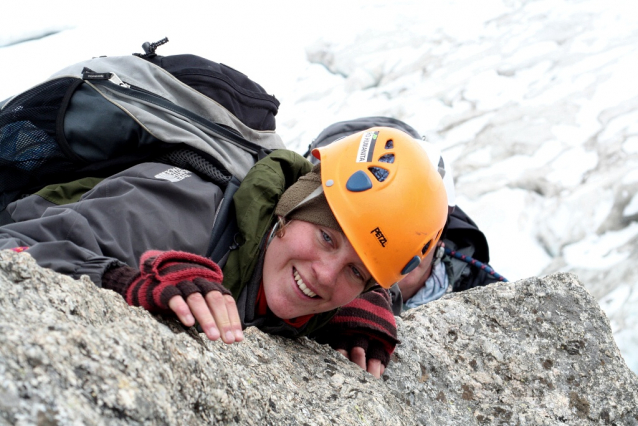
<point x="284" y="313"/>
<point x="281" y="308"/>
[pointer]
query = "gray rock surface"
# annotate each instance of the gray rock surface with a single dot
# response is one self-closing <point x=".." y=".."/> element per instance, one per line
<point x="535" y="352"/>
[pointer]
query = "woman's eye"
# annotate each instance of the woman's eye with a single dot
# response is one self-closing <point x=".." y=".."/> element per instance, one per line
<point x="326" y="237"/>
<point x="357" y="274"/>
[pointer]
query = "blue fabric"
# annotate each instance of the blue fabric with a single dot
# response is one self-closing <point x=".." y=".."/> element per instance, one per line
<point x="435" y="287"/>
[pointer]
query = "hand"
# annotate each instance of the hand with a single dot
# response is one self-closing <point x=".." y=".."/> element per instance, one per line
<point x="183" y="283"/>
<point x="358" y="356"/>
<point x="364" y="331"/>
<point x="216" y="313"/>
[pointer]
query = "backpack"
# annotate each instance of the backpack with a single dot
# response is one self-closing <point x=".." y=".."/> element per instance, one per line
<point x="101" y="116"/>
<point x="466" y="247"/>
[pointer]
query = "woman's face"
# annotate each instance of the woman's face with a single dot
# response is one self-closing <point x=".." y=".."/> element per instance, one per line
<point x="311" y="269"/>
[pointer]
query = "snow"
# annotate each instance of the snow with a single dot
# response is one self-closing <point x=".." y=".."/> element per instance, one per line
<point x="534" y="102"/>
<point x="601" y="251"/>
<point x="631" y="145"/>
<point x="571" y="166"/>
<point x="631" y="177"/>
<point x="632" y="207"/>
<point x="505" y="218"/>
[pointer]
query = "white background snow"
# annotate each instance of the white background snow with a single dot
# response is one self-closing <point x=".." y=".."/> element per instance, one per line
<point x="535" y="103"/>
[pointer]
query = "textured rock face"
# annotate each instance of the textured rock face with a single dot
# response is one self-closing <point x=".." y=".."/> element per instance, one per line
<point x="534" y="352"/>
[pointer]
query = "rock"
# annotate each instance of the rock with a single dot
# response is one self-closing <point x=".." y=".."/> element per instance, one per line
<point x="535" y="352"/>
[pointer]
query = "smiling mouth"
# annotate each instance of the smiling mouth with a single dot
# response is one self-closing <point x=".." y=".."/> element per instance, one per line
<point x="302" y="286"/>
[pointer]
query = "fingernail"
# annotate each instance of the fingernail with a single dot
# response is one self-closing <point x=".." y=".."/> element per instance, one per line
<point x="239" y="336"/>
<point x="212" y="333"/>
<point x="189" y="319"/>
<point x="230" y="337"/>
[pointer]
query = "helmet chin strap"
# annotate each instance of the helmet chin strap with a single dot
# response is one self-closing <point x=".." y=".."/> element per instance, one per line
<point x="314" y="194"/>
<point x="273" y="232"/>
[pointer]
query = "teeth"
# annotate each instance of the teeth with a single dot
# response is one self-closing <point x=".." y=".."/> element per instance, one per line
<point x="302" y="286"/>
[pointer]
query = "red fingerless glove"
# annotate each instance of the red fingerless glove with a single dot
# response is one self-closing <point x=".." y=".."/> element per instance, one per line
<point x="163" y="275"/>
<point x="367" y="322"/>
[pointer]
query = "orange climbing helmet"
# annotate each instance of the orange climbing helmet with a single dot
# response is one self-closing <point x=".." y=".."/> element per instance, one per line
<point x="388" y="198"/>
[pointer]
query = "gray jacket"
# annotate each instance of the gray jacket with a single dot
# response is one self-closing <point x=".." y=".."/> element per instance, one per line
<point x="176" y="208"/>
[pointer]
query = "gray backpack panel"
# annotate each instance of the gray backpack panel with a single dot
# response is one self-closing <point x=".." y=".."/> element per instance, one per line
<point x="100" y="116"/>
<point x="134" y="76"/>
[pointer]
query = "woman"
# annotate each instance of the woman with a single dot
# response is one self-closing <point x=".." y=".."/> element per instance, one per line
<point x="310" y="240"/>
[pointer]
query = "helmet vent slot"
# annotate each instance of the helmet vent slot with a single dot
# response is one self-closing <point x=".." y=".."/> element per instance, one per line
<point x="389" y="144"/>
<point x="388" y="158"/>
<point x="426" y="247"/>
<point x="379" y="173"/>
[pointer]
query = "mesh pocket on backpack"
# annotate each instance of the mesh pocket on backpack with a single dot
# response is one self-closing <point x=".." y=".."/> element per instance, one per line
<point x="28" y="146"/>
<point x="188" y="159"/>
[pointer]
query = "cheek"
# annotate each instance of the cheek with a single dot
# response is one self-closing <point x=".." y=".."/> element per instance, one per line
<point x="277" y="254"/>
<point x="346" y="293"/>
<point x="278" y="260"/>
<point x="273" y="266"/>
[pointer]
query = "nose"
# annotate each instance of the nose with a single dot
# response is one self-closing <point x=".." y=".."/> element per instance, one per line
<point x="327" y="269"/>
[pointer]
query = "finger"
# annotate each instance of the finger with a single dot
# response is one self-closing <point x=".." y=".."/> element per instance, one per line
<point x="200" y="310"/>
<point x="358" y="356"/>
<point x="343" y="352"/>
<point x="181" y="309"/>
<point x="233" y="316"/>
<point x="217" y="305"/>
<point x="374" y="367"/>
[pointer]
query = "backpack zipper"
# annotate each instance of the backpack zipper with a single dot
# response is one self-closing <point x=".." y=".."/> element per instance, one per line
<point x="118" y="85"/>
<point x="115" y="79"/>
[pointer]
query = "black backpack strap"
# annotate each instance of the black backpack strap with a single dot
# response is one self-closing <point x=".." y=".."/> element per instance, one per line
<point x="225" y="229"/>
